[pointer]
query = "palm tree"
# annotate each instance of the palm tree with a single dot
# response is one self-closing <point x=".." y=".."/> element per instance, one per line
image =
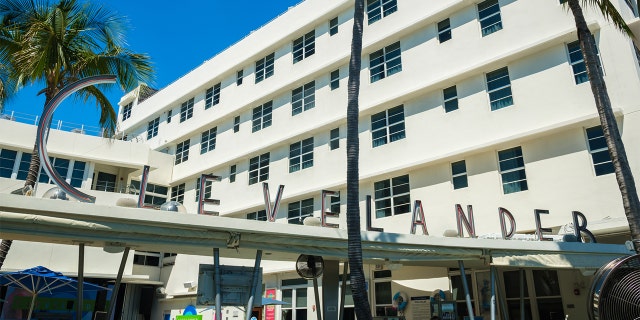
<point x="55" y="44"/>
<point x="358" y="286"/>
<point x="618" y="154"/>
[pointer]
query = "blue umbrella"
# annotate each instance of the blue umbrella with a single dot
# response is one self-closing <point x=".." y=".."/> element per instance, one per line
<point x="39" y="280"/>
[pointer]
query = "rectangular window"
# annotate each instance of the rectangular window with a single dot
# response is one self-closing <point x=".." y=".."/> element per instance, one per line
<point x="383" y="294"/>
<point x="259" y="168"/>
<point x="182" y="151"/>
<point x="61" y="166"/>
<point x="261" y="117"/>
<point x="236" y="124"/>
<point x="303" y="98"/>
<point x="177" y="193"/>
<point x="378" y="9"/>
<point x="264" y="67"/>
<point x="334" y="139"/>
<point x="599" y="151"/>
<point x="334" y="206"/>
<point x="392" y="196"/>
<point x="450" y="99"/>
<point x="489" y="16"/>
<point x="304" y="46"/>
<point x="212" y="96"/>
<point x="232" y="173"/>
<point x="208" y="186"/>
<point x="301" y="155"/>
<point x="152" y="128"/>
<point x="126" y="111"/>
<point x="7" y="161"/>
<point x="299" y="210"/>
<point x="499" y="89"/>
<point x="155" y="195"/>
<point x="444" y="30"/>
<point x="186" y="110"/>
<point x="23" y="169"/>
<point x="77" y="175"/>
<point x="208" y="140"/>
<point x="511" y="163"/>
<point x="260" y="215"/>
<point x="459" y="174"/>
<point x="335" y="79"/>
<point x="145" y="258"/>
<point x="387" y="126"/>
<point x="169" y="114"/>
<point x="385" y="62"/>
<point x="333" y="26"/>
<point x="239" y="76"/>
<point x="576" y="59"/>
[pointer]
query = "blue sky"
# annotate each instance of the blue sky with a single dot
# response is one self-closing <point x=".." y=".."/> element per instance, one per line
<point x="177" y="35"/>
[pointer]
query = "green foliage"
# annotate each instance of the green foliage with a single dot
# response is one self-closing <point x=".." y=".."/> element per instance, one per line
<point x="55" y="44"/>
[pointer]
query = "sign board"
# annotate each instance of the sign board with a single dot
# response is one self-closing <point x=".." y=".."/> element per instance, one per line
<point x="190" y="317"/>
<point x="235" y="285"/>
<point x="421" y="307"/>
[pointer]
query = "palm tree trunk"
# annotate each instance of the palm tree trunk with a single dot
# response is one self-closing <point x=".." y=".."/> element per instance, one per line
<point x="358" y="285"/>
<point x="623" y="173"/>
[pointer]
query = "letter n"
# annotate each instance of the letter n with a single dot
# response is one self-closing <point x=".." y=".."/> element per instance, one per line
<point x="463" y="221"/>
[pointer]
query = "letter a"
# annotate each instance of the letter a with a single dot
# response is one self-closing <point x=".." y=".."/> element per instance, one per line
<point x="417" y="210"/>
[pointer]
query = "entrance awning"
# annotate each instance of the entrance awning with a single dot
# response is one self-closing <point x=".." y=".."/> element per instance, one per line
<point x="56" y="221"/>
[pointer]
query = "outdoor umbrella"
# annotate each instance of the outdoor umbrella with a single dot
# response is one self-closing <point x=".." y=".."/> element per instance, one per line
<point x="39" y="280"/>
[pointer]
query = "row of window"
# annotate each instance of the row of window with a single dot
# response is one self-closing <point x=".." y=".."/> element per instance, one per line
<point x="392" y="196"/>
<point x="15" y="164"/>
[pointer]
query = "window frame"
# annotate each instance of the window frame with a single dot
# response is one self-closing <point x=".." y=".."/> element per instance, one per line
<point x="182" y="151"/>
<point x="334" y="26"/>
<point x="265" y="67"/>
<point x="522" y="183"/>
<point x="301" y="155"/>
<point x="260" y="215"/>
<point x="126" y="111"/>
<point x="299" y="210"/>
<point x="450" y="99"/>
<point x="239" y="77"/>
<point x="334" y="139"/>
<point x="487" y="5"/>
<point x="388" y="115"/>
<point x="597" y="147"/>
<point x="186" y="110"/>
<point x="303" y="98"/>
<point x="378" y="9"/>
<point x="444" y="30"/>
<point x="232" y="173"/>
<point x="303" y="47"/>
<point x="236" y="124"/>
<point x="212" y="96"/>
<point x="259" y="168"/>
<point x="261" y="117"/>
<point x="397" y="204"/>
<point x="334" y="79"/>
<point x="152" y="128"/>
<point x="460" y="175"/>
<point x="494" y="90"/>
<point x="384" y="63"/>
<point x="9" y="163"/>
<point x="177" y="193"/>
<point x="208" y="140"/>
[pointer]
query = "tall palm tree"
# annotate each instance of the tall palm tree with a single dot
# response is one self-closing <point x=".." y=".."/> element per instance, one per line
<point x="358" y="286"/>
<point x="623" y="173"/>
<point x="55" y="44"/>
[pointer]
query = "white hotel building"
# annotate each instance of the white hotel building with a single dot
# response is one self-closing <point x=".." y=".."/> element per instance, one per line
<point x="480" y="103"/>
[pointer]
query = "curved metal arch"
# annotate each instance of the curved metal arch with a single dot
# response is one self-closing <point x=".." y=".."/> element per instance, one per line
<point x="45" y="124"/>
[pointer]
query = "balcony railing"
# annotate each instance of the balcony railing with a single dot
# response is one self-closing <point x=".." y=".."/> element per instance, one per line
<point x="55" y="124"/>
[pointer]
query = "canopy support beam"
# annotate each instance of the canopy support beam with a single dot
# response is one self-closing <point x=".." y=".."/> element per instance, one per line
<point x="463" y="275"/>
<point x="254" y="282"/>
<point x="116" y="287"/>
<point x="80" y="304"/>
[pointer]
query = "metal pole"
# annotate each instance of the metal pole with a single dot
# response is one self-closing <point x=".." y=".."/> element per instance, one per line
<point x="216" y="262"/>
<point x="116" y="287"/>
<point x="343" y="288"/>
<point x="493" y="292"/>
<point x="504" y="312"/>
<point x="466" y="289"/>
<point x="33" y="304"/>
<point x="521" y="294"/>
<point x="318" y="306"/>
<point x="80" y="304"/>
<point x="256" y="272"/>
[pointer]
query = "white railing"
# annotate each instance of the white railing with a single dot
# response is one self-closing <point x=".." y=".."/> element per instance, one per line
<point x="55" y="124"/>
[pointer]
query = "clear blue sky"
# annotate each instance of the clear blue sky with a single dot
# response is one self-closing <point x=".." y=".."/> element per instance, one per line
<point x="177" y="35"/>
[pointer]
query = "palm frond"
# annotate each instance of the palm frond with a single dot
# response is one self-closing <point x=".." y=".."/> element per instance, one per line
<point x="108" y="116"/>
<point x="610" y="13"/>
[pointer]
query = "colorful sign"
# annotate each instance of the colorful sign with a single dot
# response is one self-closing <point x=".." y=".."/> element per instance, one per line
<point x="270" y="311"/>
<point x="190" y="317"/>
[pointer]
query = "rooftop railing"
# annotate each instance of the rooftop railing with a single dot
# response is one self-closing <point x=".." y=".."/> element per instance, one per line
<point x="55" y="124"/>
